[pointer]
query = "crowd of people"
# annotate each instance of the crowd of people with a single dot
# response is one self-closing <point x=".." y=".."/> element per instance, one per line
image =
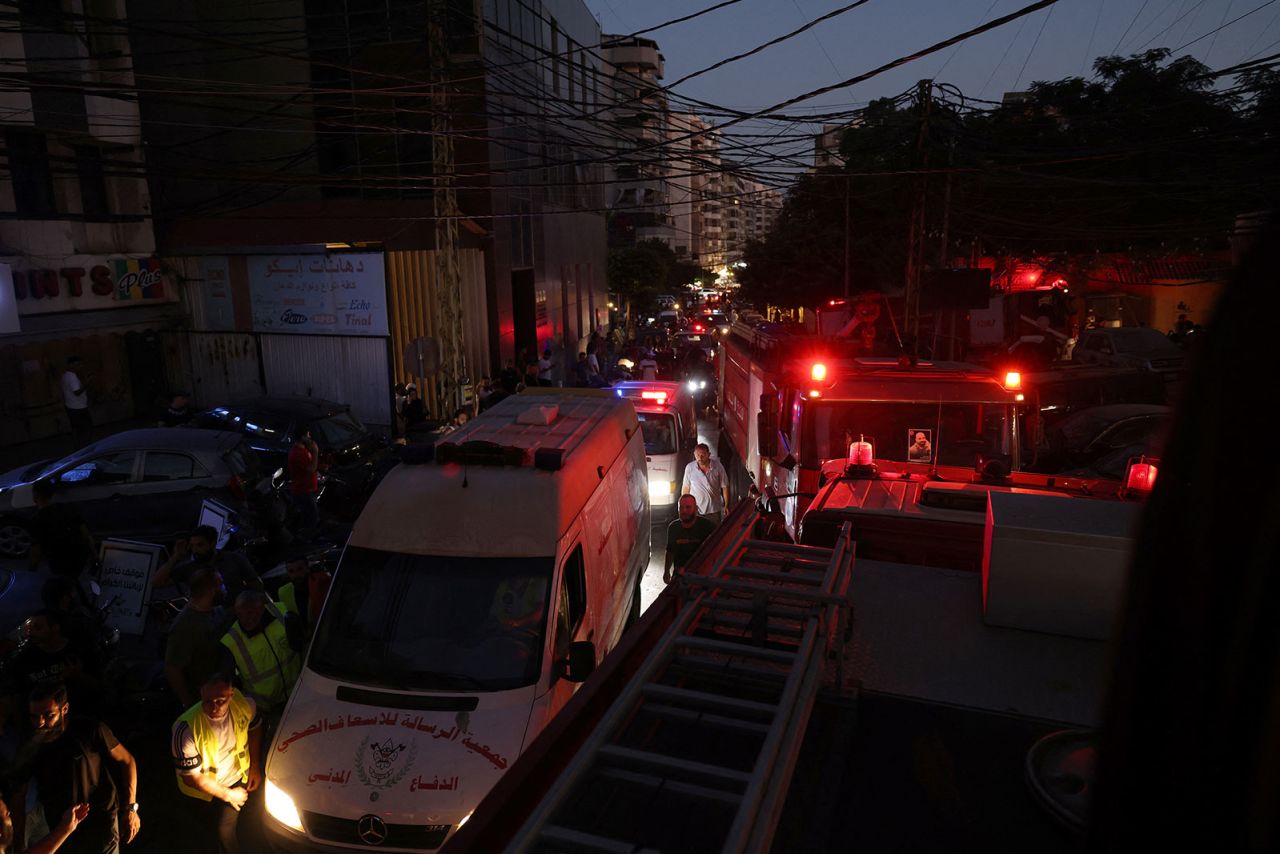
<point x="231" y="656"/>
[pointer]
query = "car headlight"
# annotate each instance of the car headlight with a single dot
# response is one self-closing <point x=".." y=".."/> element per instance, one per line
<point x="660" y="489"/>
<point x="281" y="807"/>
<point x="702" y="384"/>
<point x="693" y="385"/>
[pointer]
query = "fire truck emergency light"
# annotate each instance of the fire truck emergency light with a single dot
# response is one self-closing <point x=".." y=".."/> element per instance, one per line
<point x="1012" y="380"/>
<point x="818" y="373"/>
<point x="660" y="396"/>
<point x="861" y="453"/>
<point x="1141" y="476"/>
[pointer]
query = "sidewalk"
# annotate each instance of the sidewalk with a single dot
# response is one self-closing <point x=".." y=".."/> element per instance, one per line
<point x="56" y="447"/>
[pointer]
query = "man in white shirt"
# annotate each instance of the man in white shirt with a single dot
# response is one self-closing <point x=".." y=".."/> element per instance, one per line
<point x="706" y="480"/>
<point x="76" y="401"/>
<point x="544" y="368"/>
<point x="649" y="368"/>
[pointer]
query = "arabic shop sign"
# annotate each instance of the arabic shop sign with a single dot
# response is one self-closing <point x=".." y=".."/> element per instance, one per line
<point x="319" y="294"/>
<point x="86" y="283"/>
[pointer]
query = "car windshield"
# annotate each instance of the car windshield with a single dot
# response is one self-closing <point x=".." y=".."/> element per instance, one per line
<point x="659" y="432"/>
<point x="434" y="622"/>
<point x="950" y="434"/>
<point x="338" y="431"/>
<point x="1139" y="339"/>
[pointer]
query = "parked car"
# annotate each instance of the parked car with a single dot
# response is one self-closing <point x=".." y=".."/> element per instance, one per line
<point x="1132" y="347"/>
<point x="1091" y="437"/>
<point x="139" y="485"/>
<point x="350" y="454"/>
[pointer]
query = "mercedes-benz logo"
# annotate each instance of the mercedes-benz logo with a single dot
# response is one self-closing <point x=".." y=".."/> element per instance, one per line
<point x="371" y="830"/>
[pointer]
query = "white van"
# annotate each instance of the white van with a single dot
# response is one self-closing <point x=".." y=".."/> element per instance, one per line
<point x="670" y="429"/>
<point x="478" y="588"/>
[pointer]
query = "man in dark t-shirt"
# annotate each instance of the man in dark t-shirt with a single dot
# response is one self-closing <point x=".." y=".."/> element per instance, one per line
<point x="58" y="534"/>
<point x="684" y="535"/>
<point x="67" y="759"/>
<point x="199" y="552"/>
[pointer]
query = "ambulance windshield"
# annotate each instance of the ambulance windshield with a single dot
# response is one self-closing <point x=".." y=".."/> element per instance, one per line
<point x="434" y="623"/>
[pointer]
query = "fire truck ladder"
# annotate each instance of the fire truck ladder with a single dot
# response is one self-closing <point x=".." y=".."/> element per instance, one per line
<point x="697" y="752"/>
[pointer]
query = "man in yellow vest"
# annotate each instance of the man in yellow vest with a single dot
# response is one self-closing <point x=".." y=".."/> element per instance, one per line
<point x="306" y="590"/>
<point x="216" y="750"/>
<point x="259" y="646"/>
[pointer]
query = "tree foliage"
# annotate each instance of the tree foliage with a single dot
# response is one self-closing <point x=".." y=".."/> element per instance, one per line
<point x="1147" y="156"/>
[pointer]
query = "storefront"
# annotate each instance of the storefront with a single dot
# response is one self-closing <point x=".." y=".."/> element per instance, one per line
<point x="110" y="311"/>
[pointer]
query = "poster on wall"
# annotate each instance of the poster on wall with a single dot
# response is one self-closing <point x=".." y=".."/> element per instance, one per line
<point x="89" y="283"/>
<point x="219" y="307"/>
<point x="319" y="294"/>
<point x="8" y="304"/>
<point x="126" y="581"/>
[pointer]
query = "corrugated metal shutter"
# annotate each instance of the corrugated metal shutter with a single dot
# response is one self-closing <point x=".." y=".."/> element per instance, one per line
<point x="346" y="370"/>
<point x="224" y="367"/>
<point x="412" y="305"/>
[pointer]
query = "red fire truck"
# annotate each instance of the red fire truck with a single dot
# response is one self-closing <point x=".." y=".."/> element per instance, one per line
<point x="790" y="402"/>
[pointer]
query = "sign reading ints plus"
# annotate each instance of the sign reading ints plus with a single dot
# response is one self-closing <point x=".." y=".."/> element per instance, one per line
<point x="319" y="294"/>
<point x="85" y="283"/>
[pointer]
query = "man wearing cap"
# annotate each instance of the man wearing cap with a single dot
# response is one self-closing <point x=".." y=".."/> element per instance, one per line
<point x="76" y="401"/>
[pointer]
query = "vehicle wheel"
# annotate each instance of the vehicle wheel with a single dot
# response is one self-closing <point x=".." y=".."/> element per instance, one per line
<point x="15" y="539"/>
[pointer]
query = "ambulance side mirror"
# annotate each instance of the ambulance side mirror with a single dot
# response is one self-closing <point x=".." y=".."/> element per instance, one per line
<point x="767" y="426"/>
<point x="581" y="662"/>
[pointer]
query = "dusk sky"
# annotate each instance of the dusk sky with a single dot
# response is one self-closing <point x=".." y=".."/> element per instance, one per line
<point x="1060" y="41"/>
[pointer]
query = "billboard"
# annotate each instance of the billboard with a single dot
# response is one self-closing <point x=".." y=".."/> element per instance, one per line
<point x="319" y="294"/>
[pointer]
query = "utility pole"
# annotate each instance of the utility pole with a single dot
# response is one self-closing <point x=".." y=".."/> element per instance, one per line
<point x="444" y="200"/>
<point x="915" y="238"/>
<point x="847" y="237"/>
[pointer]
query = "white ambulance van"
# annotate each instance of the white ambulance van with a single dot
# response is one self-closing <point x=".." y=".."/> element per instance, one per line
<point x="670" y="428"/>
<point x="479" y="587"/>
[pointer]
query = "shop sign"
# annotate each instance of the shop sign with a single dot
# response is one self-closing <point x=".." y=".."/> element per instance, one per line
<point x="83" y="283"/>
<point x="319" y="294"/>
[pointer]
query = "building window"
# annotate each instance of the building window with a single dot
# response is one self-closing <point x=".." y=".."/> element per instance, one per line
<point x="29" y="171"/>
<point x="93" y="182"/>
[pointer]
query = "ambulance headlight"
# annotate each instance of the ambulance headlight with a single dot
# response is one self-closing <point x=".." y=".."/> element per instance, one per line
<point x="660" y="489"/>
<point x="281" y="807"/>
<point x="464" y="819"/>
<point x="693" y="385"/>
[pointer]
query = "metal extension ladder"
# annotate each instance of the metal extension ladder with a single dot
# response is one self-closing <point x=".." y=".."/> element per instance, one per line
<point x="697" y="753"/>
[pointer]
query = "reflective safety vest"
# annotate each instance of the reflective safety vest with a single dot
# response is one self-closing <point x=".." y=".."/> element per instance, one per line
<point x="289" y="598"/>
<point x="266" y="663"/>
<point x="206" y="741"/>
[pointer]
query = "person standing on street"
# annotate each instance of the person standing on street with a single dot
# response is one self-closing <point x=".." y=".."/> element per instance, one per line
<point x="258" y="646"/>
<point x="684" y="535"/>
<point x="649" y="367"/>
<point x="706" y="480"/>
<point x="200" y="551"/>
<point x="58" y="534"/>
<point x="304" y="480"/>
<point x="306" y="590"/>
<point x="66" y="759"/>
<point x="76" y="400"/>
<point x="544" y="369"/>
<point x="216" y="749"/>
<point x="194" y="648"/>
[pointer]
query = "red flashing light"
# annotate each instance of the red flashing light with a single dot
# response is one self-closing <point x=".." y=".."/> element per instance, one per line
<point x="697" y="327"/>
<point x="835" y="302"/>
<point x="1012" y="379"/>
<point x="1141" y="476"/>
<point x="818" y="373"/>
<point x="660" y="396"/>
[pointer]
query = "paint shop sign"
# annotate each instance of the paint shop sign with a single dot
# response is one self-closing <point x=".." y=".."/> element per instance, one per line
<point x="82" y="283"/>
